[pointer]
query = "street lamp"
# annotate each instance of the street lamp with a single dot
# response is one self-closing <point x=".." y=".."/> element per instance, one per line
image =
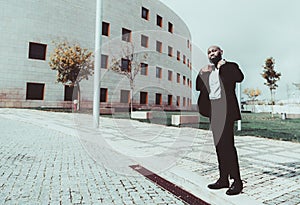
<point x="98" y="33"/>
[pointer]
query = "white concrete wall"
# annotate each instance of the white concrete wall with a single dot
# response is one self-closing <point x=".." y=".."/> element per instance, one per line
<point x="45" y="21"/>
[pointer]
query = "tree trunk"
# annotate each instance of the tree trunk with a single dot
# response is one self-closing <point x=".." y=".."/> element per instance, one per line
<point x="78" y="96"/>
<point x="272" y="104"/>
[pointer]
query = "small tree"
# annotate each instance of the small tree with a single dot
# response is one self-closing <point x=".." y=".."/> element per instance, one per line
<point x="72" y="64"/>
<point x="252" y="94"/>
<point x="271" y="76"/>
<point x="128" y="65"/>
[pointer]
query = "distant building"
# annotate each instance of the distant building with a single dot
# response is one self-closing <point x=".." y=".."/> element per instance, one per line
<point x="28" y="29"/>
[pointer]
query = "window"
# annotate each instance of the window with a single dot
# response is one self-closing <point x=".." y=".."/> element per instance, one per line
<point x="105" y="28"/>
<point x="183" y="78"/>
<point x="178" y="78"/>
<point x="144" y="41"/>
<point x="125" y="65"/>
<point x="158" y="99"/>
<point x="126" y="35"/>
<point x="35" y="91"/>
<point x="70" y="93"/>
<point x="178" y="55"/>
<point x="143" y="98"/>
<point x="159" y="20"/>
<point x="188" y="62"/>
<point x="144" y="69"/>
<point x="159" y="46"/>
<point x="170" y="98"/>
<point x="188" y="82"/>
<point x="188" y="43"/>
<point x="184" y="102"/>
<point x="103" y="95"/>
<point x="170" y="27"/>
<point x="37" y="51"/>
<point x="178" y="101"/>
<point x="124" y="98"/>
<point x="170" y="51"/>
<point x="184" y="59"/>
<point x="145" y="13"/>
<point x="170" y="73"/>
<point x="104" y="61"/>
<point x="158" y="72"/>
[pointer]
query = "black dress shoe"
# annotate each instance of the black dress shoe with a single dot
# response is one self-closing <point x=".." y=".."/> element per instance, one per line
<point x="235" y="188"/>
<point x="219" y="184"/>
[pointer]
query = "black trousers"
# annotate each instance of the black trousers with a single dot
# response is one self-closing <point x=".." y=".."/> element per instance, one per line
<point x="223" y="133"/>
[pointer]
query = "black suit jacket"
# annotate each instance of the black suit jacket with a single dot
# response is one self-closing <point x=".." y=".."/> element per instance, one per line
<point x="229" y="75"/>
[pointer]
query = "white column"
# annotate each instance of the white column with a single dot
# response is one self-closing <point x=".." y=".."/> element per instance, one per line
<point x="97" y="53"/>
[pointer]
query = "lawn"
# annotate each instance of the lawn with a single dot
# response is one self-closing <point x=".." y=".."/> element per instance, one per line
<point x="253" y="124"/>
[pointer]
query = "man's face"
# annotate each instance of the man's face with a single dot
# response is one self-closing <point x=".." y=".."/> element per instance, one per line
<point x="214" y="54"/>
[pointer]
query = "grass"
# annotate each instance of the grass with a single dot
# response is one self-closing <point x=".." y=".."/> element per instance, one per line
<point x="253" y="124"/>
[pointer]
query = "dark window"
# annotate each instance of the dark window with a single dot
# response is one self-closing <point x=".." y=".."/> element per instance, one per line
<point x="124" y="98"/>
<point x="170" y="27"/>
<point x="126" y="35"/>
<point x="125" y="65"/>
<point x="144" y="41"/>
<point x="103" y="95"/>
<point x="188" y="43"/>
<point x="158" y="72"/>
<point x="184" y="59"/>
<point x="178" y="55"/>
<point x="170" y="74"/>
<point x="37" y="51"/>
<point x="178" y="101"/>
<point x="170" y="51"/>
<point x="70" y="93"/>
<point x="183" y="77"/>
<point x="158" y="99"/>
<point x="159" y="20"/>
<point x="145" y="13"/>
<point x="144" y="69"/>
<point x="158" y="46"/>
<point x="105" y="29"/>
<point x="35" y="91"/>
<point x="104" y="61"/>
<point x="170" y="98"/>
<point x="178" y="78"/>
<point x="143" y="98"/>
<point x="184" y="102"/>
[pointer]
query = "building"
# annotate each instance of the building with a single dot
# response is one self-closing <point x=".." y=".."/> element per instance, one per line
<point x="30" y="27"/>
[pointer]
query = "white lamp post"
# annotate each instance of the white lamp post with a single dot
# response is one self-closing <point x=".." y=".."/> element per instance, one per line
<point x="98" y="33"/>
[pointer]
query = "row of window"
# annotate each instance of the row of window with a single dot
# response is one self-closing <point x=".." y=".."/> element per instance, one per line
<point x="145" y="14"/>
<point x="125" y="98"/>
<point x="144" y="70"/>
<point x="126" y="36"/>
<point x="35" y="91"/>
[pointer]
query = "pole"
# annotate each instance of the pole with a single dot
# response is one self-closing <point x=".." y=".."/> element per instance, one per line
<point x="239" y="100"/>
<point x="98" y="33"/>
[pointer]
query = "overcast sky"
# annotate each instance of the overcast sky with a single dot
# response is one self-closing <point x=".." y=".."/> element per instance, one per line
<point x="248" y="31"/>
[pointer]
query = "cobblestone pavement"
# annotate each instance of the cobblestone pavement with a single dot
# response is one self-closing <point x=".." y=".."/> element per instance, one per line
<point x="40" y="165"/>
<point x="45" y="160"/>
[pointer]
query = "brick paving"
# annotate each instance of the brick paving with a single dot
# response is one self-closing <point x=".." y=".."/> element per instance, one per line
<point x="53" y="158"/>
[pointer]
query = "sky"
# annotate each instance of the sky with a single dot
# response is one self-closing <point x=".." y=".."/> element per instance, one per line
<point x="248" y="31"/>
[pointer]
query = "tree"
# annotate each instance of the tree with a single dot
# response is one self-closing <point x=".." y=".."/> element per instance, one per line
<point x="252" y="94"/>
<point x="128" y="64"/>
<point x="271" y="76"/>
<point x="72" y="64"/>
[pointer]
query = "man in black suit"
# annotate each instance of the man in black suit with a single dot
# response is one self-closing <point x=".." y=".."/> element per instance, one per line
<point x="218" y="102"/>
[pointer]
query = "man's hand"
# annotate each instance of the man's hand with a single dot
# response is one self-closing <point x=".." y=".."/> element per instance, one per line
<point x="206" y="69"/>
<point x="220" y="63"/>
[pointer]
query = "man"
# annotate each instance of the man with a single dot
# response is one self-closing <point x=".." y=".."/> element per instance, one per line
<point x="218" y="102"/>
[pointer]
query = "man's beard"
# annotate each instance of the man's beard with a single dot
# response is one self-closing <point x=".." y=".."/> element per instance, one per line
<point x="216" y="59"/>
